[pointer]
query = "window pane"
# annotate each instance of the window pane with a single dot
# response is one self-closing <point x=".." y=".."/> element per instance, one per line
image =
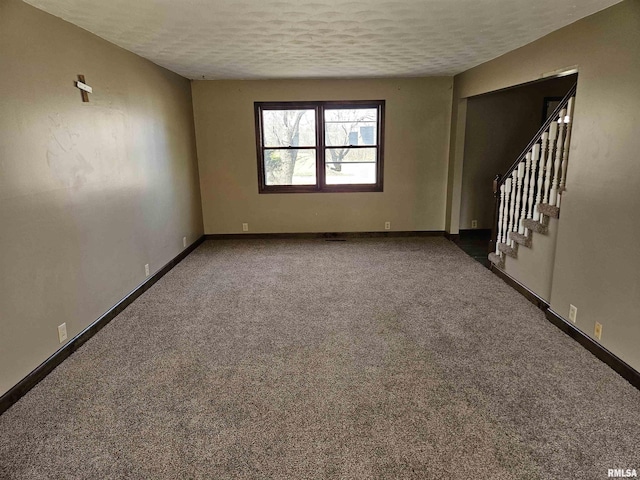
<point x="355" y="126"/>
<point x="350" y="165"/>
<point x="290" y="167"/>
<point x="289" y="128"/>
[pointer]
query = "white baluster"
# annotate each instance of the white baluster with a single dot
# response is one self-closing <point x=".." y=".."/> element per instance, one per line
<point x="525" y="193"/>
<point x="565" y="153"/>
<point x="516" y="218"/>
<point x="553" y="194"/>
<point x="543" y="163"/>
<point x="553" y="133"/>
<point x="512" y="209"/>
<point x="505" y="214"/>
<point x="535" y="158"/>
<point x="500" y="217"/>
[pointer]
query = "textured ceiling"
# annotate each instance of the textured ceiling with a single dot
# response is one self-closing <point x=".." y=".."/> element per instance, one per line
<point x="320" y="38"/>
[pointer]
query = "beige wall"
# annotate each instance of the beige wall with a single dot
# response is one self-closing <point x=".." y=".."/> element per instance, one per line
<point x="415" y="164"/>
<point x="499" y="126"/>
<point x="534" y="265"/>
<point x="89" y="193"/>
<point x="597" y="262"/>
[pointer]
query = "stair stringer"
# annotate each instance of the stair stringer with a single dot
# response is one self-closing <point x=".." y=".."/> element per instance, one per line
<point x="533" y="266"/>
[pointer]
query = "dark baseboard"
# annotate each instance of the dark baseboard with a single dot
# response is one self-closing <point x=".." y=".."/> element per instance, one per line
<point x="453" y="237"/>
<point x="321" y="235"/>
<point x="620" y="366"/>
<point x="46" y="367"/>
<point x="522" y="289"/>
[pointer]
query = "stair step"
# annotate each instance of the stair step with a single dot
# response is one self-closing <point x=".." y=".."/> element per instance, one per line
<point x="524" y="240"/>
<point x="497" y="260"/>
<point x="508" y="249"/>
<point x="535" y="226"/>
<point x="549" y="210"/>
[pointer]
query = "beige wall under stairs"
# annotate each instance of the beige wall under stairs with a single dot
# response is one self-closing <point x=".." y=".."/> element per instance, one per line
<point x="534" y="266"/>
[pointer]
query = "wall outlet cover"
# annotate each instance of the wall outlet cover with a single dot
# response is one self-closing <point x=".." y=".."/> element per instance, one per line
<point x="62" y="332"/>
<point x="597" y="332"/>
<point x="573" y="313"/>
<point x="474" y="223"/>
<point x="245" y="227"/>
<point x="146" y="269"/>
<point x="184" y="242"/>
<point x="387" y="225"/>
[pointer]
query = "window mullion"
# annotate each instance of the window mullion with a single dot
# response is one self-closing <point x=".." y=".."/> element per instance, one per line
<point x="320" y="152"/>
<point x="380" y="148"/>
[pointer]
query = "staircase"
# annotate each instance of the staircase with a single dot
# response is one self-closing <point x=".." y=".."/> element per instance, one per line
<point x="531" y="191"/>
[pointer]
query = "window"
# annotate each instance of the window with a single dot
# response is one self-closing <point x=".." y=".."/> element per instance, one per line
<point x="320" y="146"/>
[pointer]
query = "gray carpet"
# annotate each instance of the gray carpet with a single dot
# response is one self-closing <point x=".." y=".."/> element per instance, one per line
<point x="371" y="358"/>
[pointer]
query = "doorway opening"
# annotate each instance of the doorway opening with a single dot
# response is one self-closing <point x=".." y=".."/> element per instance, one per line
<point x="499" y="125"/>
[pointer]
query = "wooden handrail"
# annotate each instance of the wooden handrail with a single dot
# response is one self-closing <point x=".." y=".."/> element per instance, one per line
<point x="538" y="136"/>
<point x="514" y="201"/>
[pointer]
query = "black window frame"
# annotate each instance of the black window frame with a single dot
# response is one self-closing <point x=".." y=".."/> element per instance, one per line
<point x="320" y="147"/>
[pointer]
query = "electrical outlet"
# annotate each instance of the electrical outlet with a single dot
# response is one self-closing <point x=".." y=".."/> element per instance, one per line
<point x="573" y="313"/>
<point x="184" y="242"/>
<point x="474" y="223"/>
<point x="245" y="227"/>
<point x="387" y="225"/>
<point x="146" y="270"/>
<point x="62" y="332"/>
<point x="597" y="332"/>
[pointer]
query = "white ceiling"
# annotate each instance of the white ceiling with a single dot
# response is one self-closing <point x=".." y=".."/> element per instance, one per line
<point x="320" y="38"/>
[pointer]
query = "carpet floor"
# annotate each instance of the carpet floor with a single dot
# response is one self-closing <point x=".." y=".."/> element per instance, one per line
<point x="370" y="358"/>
